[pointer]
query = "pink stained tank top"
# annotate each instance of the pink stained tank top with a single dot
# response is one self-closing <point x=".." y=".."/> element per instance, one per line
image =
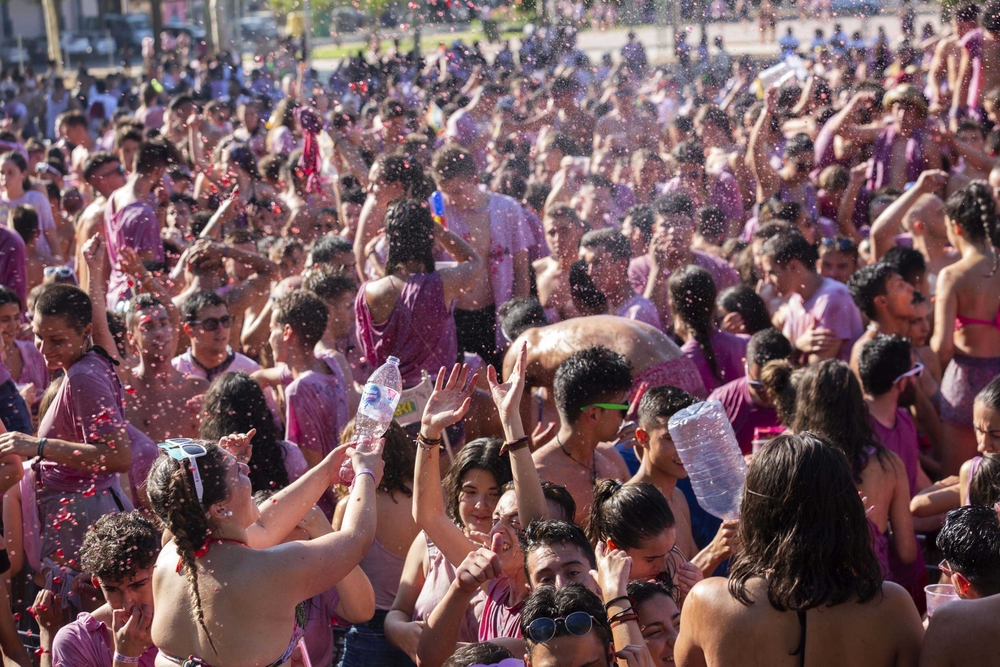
<point x="384" y="569"/>
<point x="440" y="574"/>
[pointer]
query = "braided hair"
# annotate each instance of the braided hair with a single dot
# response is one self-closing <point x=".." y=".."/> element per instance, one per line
<point x="173" y="498"/>
<point x="692" y="298"/>
<point x="974" y="210"/>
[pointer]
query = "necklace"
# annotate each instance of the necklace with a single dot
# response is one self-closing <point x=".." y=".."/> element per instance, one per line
<point x="592" y="468"/>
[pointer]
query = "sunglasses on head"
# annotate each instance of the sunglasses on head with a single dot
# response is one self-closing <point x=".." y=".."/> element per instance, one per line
<point x="621" y="407"/>
<point x="578" y="624"/>
<point x="213" y="323"/>
<point x="945" y="568"/>
<point x="186" y="449"/>
<point x="62" y="272"/>
<point x="916" y="371"/>
<point x="843" y="244"/>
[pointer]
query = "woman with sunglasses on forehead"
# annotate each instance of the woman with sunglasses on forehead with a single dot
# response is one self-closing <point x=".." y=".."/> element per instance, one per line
<point x="226" y="589"/>
<point x="806" y="585"/>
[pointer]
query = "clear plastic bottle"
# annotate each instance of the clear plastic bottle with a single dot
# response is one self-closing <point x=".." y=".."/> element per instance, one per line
<point x="378" y="404"/>
<point x="707" y="446"/>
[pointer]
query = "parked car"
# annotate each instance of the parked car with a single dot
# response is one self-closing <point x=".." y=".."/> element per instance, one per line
<point x="102" y="45"/>
<point x="11" y="53"/>
<point x="259" y="27"/>
<point x="855" y="7"/>
<point x="348" y="19"/>
<point x="195" y="32"/>
<point x="128" y="30"/>
<point x="74" y="45"/>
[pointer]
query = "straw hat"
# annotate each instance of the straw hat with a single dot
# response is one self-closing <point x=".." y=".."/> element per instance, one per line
<point x="905" y="94"/>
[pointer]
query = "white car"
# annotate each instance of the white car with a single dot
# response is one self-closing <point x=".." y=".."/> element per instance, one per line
<point x="103" y="45"/>
<point x="74" y="45"/>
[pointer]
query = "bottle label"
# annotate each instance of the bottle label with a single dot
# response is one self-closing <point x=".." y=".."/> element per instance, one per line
<point x="378" y="402"/>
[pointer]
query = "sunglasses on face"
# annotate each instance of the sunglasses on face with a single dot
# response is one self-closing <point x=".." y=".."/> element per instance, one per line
<point x="213" y="323"/>
<point x="945" y="568"/>
<point x="185" y="449"/>
<point x="754" y="384"/>
<point x="621" y="407"/>
<point x="578" y="624"/>
<point x="60" y="272"/>
<point x="916" y="371"/>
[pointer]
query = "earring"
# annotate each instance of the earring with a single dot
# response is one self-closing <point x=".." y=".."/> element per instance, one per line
<point x="227" y="513"/>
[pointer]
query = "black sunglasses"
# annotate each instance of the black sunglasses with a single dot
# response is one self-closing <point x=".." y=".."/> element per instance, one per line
<point x="213" y="323"/>
<point x="577" y="624"/>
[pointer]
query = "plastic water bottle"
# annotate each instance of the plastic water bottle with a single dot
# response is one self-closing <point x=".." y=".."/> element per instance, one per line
<point x="378" y="405"/>
<point x="707" y="446"/>
<point x="437" y="208"/>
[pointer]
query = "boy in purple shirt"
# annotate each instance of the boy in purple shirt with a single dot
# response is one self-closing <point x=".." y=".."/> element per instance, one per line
<point x="745" y="399"/>
<point x="129" y="218"/>
<point x="607" y="253"/>
<point x="316" y="398"/>
<point x="119" y="552"/>
<point x="821" y="321"/>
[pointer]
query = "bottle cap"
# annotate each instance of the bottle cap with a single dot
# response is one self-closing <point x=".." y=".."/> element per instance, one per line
<point x="393" y="360"/>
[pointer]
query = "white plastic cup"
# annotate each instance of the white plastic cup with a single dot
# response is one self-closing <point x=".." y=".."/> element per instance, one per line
<point x="938" y="595"/>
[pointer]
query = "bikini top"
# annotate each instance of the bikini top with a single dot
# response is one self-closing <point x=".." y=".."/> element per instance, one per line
<point x="966" y="321"/>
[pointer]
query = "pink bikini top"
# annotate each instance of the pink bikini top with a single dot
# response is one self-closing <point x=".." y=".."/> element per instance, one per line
<point x="966" y="321"/>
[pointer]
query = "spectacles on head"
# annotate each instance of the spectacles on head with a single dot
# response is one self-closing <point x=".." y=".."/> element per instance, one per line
<point x="186" y="449"/>
<point x="945" y="568"/>
<point x="916" y="371"/>
<point x="213" y="323"/>
<point x="757" y="385"/>
<point x="841" y="244"/>
<point x="621" y="407"/>
<point x="578" y="624"/>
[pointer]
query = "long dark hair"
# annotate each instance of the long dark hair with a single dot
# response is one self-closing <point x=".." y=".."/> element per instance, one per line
<point x="692" y="297"/>
<point x="409" y="231"/>
<point x="173" y="498"/>
<point x="745" y="301"/>
<point x="974" y="209"/>
<point x="803" y="528"/>
<point x="627" y="514"/>
<point x="234" y="403"/>
<point x="482" y="454"/>
<point x="984" y="486"/>
<point x="399" y="456"/>
<point x="829" y="402"/>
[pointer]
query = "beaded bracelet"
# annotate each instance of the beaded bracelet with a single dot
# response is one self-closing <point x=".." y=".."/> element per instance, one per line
<point x="127" y="659"/>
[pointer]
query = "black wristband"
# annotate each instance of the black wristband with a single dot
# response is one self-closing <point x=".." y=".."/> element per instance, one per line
<point x="41" y="447"/>
<point x="617" y="599"/>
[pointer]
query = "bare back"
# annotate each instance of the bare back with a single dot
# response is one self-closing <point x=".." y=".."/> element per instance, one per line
<point x="718" y="630"/>
<point x="976" y="294"/>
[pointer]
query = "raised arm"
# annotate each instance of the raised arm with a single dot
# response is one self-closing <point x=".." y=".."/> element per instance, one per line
<point x="507" y="397"/>
<point x="845" y="209"/>
<point x="768" y="180"/>
<point x="446" y="406"/>
<point x="300" y="570"/>
<point x="886" y="226"/>
<point x="285" y="509"/>
<point x="456" y="280"/>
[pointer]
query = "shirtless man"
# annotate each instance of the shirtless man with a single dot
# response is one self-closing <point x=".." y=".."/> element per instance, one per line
<point x="654" y="358"/>
<point x="961" y="632"/>
<point x="908" y="107"/>
<point x="496" y="228"/>
<point x="948" y="55"/>
<point x="624" y="125"/>
<point x="977" y="74"/>
<point x="563" y="231"/>
<point x="662" y="467"/>
<point x="591" y="387"/>
<point x="920" y="212"/>
<point x="104" y="173"/>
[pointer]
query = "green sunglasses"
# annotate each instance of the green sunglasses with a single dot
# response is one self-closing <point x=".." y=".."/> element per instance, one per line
<point x="607" y="406"/>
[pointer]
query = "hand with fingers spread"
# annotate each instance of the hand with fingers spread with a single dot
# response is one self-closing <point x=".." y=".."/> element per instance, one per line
<point x="507" y="396"/>
<point x="94" y="253"/>
<point x="448" y="402"/>
<point x="238" y="444"/>
<point x="480" y="566"/>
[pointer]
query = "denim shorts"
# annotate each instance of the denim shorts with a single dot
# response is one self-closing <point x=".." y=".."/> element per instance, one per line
<point x="366" y="646"/>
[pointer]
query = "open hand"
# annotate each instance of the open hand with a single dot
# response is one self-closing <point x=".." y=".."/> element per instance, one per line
<point x="449" y="401"/>
<point x="507" y="396"/>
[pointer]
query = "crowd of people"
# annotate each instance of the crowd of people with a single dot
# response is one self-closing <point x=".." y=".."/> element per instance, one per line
<point x="203" y="264"/>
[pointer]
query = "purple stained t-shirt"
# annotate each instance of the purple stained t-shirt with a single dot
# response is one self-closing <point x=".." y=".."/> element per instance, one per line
<point x="641" y="309"/>
<point x="14" y="264"/>
<point x="723" y="192"/>
<point x="902" y="440"/>
<point x="316" y="409"/>
<point x="89" y="404"/>
<point x="85" y="643"/>
<point x="135" y="226"/>
<point x="730" y="358"/>
<point x="743" y="413"/>
<point x="831" y="307"/>
<point x="40" y="203"/>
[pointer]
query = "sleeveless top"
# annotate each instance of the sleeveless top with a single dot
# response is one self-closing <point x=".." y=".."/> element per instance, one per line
<point x="384" y="570"/>
<point x="440" y="574"/>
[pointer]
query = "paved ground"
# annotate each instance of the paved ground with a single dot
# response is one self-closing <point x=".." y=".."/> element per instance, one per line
<point x="739" y="37"/>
